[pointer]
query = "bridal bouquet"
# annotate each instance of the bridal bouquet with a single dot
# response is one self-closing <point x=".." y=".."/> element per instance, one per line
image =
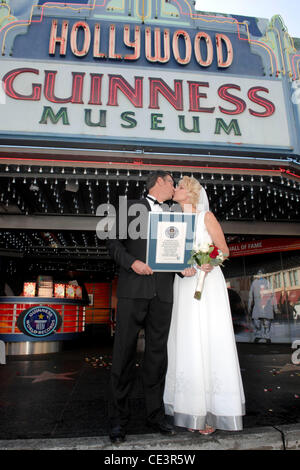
<point x="206" y="253"/>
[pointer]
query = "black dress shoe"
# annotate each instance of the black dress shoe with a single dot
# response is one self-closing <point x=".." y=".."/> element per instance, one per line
<point x="117" y="434"/>
<point x="162" y="426"/>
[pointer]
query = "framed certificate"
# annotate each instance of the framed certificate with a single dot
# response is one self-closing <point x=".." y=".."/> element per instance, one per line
<point x="170" y="240"/>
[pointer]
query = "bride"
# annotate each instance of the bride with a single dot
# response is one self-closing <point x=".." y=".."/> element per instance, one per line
<point x="203" y="389"/>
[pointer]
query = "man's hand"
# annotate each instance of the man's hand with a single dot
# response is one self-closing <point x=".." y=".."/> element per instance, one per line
<point x="189" y="272"/>
<point x="141" y="268"/>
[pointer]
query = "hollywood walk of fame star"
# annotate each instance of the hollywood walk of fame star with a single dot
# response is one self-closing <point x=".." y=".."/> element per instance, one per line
<point x="45" y="375"/>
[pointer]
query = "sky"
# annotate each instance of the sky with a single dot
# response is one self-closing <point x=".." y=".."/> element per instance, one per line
<point x="289" y="10"/>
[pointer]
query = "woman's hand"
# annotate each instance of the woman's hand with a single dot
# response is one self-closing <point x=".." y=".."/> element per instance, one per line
<point x="188" y="272"/>
<point x="206" y="268"/>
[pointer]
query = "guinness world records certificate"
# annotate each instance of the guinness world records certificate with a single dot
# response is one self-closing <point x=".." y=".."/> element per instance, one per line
<point x="170" y="240"/>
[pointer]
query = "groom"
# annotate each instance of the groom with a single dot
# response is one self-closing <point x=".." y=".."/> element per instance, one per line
<point x="144" y="301"/>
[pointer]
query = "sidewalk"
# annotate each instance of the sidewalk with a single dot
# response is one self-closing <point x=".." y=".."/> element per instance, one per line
<point x="286" y="437"/>
<point x="58" y="401"/>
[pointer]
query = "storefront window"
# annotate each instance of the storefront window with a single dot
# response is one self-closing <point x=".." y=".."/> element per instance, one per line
<point x="264" y="293"/>
<point x="293" y="278"/>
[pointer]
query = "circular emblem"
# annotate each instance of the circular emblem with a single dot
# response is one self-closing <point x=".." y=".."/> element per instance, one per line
<point x="172" y="232"/>
<point x="39" y="321"/>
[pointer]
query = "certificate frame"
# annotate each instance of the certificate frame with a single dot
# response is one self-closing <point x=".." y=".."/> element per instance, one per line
<point x="157" y="222"/>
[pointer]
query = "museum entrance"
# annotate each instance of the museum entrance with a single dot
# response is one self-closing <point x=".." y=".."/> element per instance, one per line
<point x="49" y="211"/>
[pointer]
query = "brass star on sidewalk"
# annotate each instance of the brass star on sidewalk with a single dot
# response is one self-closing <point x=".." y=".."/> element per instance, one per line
<point x="45" y="375"/>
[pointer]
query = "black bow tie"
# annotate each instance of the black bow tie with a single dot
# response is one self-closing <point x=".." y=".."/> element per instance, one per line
<point x="155" y="201"/>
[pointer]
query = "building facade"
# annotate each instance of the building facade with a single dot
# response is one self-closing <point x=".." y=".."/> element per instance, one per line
<point x="97" y="93"/>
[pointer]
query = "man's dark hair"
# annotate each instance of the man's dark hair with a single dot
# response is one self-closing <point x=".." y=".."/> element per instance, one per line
<point x="152" y="178"/>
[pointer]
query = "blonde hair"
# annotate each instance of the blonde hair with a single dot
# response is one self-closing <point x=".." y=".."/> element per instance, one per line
<point x="193" y="188"/>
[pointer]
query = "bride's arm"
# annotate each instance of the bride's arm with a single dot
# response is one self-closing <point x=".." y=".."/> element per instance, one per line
<point x="215" y="231"/>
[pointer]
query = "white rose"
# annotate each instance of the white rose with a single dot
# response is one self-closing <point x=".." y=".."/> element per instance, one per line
<point x="204" y="247"/>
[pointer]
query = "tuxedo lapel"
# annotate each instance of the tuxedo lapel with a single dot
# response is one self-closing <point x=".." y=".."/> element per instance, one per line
<point x="147" y="203"/>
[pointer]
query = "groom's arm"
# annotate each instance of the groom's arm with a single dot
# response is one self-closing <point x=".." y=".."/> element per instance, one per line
<point x="119" y="254"/>
<point x="115" y="246"/>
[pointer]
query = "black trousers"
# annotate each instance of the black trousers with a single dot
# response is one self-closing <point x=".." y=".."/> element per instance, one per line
<point x="133" y="314"/>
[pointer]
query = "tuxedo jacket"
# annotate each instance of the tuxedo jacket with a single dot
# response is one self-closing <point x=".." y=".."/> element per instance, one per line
<point x="125" y="251"/>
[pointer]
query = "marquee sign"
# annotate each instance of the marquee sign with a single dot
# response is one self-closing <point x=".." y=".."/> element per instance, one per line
<point x="172" y="107"/>
<point x="139" y="72"/>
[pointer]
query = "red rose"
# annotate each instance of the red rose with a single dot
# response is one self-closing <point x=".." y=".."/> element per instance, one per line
<point x="214" y="253"/>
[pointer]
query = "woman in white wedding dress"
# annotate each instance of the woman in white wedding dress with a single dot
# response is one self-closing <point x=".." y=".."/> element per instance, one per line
<point x="203" y="389"/>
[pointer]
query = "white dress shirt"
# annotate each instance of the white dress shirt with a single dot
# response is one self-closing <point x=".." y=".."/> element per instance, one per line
<point x="154" y="207"/>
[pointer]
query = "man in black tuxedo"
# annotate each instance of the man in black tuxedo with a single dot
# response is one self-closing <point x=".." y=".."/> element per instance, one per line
<point x="145" y="300"/>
